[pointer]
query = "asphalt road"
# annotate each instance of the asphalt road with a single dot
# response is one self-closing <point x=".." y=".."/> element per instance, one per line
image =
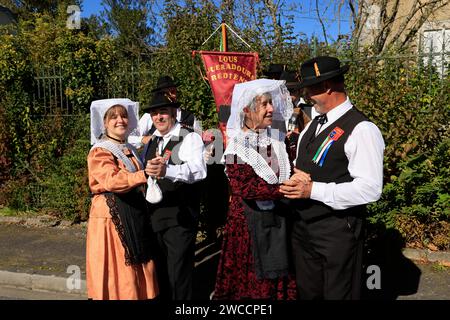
<point x="49" y="251"/>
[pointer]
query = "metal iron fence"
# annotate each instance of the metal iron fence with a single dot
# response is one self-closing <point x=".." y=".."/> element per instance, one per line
<point x="134" y="81"/>
<point x="49" y="97"/>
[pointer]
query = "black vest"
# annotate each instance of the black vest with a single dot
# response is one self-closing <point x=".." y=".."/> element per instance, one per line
<point x="332" y="168"/>
<point x="180" y="204"/>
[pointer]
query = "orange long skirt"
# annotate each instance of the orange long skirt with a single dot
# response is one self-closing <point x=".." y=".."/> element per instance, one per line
<point x="107" y="276"/>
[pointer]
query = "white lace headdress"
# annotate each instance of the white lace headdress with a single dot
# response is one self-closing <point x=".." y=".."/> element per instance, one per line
<point x="98" y="110"/>
<point x="244" y="93"/>
<point x="245" y="144"/>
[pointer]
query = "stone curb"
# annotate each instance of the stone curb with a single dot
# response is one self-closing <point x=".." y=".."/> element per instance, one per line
<point x="41" y="283"/>
<point x="40" y="222"/>
<point x="427" y="255"/>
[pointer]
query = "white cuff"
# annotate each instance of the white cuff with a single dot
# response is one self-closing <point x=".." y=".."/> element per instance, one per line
<point x="171" y="172"/>
<point x="318" y="191"/>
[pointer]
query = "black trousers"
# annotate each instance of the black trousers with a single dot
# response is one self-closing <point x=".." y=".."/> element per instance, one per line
<point x="327" y="257"/>
<point x="175" y="262"/>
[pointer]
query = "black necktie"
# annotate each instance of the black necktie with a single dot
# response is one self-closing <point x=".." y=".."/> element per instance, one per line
<point x="321" y="119"/>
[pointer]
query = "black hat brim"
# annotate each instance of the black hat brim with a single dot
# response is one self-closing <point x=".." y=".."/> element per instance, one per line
<point x="293" y="85"/>
<point x="161" y="105"/>
<point x="165" y="86"/>
<point x="312" y="81"/>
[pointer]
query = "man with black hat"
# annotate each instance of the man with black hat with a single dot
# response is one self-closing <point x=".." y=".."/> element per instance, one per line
<point x="295" y="88"/>
<point x="274" y="71"/>
<point x="301" y="115"/>
<point x="146" y="127"/>
<point x="339" y="169"/>
<point x="174" y="157"/>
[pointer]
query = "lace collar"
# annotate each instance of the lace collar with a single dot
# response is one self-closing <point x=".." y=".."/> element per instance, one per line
<point x="121" y="151"/>
<point x="244" y="146"/>
<point x="252" y="138"/>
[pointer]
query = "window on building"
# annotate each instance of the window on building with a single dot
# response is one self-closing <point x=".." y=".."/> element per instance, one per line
<point x="436" y="49"/>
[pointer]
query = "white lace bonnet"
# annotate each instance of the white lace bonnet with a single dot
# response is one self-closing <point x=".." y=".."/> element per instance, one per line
<point x="98" y="110"/>
<point x="244" y="93"/>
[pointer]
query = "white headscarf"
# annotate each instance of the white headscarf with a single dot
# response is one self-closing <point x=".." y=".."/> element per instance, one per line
<point x="98" y="110"/>
<point x="244" y="144"/>
<point x="243" y="95"/>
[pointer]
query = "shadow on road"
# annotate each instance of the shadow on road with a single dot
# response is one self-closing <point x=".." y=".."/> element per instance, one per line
<point x="207" y="259"/>
<point x="399" y="275"/>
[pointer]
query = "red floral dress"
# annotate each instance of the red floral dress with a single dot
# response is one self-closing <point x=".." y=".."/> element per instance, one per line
<point x="236" y="277"/>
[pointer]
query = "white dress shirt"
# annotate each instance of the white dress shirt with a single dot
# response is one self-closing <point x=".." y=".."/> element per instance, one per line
<point x="364" y="149"/>
<point x="314" y="113"/>
<point x="145" y="124"/>
<point x="190" y="152"/>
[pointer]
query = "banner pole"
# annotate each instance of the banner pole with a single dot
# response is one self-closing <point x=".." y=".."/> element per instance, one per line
<point x="224" y="37"/>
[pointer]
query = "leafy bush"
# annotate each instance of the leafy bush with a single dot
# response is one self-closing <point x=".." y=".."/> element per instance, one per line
<point x="419" y="198"/>
<point x="56" y="181"/>
<point x="411" y="106"/>
<point x="406" y="104"/>
<point x="66" y="192"/>
<point x="43" y="156"/>
<point x="5" y="147"/>
<point x="15" y="88"/>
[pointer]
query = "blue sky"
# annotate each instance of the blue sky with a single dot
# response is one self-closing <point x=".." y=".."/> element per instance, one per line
<point x="91" y="7"/>
<point x="306" y="20"/>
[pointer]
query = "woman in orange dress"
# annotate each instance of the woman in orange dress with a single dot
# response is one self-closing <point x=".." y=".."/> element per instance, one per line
<point x="119" y="246"/>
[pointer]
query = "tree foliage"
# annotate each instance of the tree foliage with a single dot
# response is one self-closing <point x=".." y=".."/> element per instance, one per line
<point x="26" y="8"/>
<point x="34" y="142"/>
<point x="410" y="105"/>
<point x="133" y="24"/>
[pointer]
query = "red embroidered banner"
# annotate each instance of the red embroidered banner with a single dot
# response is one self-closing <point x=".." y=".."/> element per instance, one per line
<point x="224" y="70"/>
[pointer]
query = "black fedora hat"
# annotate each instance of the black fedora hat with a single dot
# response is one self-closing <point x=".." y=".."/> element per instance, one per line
<point x="274" y="71"/>
<point x="291" y="79"/>
<point x="161" y="99"/>
<point x="319" y="69"/>
<point x="164" y="82"/>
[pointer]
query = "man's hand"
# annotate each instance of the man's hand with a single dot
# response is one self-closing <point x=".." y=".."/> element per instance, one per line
<point x="295" y="189"/>
<point x="156" y="167"/>
<point x="301" y="176"/>
<point x="207" y="154"/>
